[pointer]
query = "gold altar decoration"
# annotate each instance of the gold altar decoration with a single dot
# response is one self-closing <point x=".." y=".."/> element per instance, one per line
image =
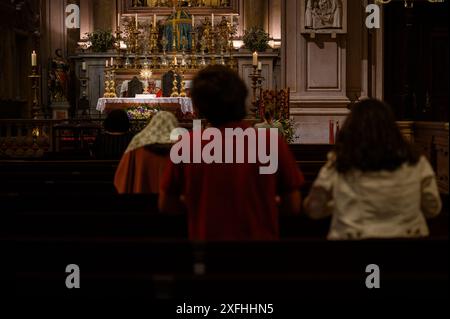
<point x="257" y="79"/>
<point x="35" y="87"/>
<point x="151" y="46"/>
<point x="165" y="6"/>
<point x="146" y="74"/>
<point x="110" y="84"/>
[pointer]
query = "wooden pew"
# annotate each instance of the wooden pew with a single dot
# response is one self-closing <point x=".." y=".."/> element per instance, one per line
<point x="248" y="271"/>
<point x="57" y="176"/>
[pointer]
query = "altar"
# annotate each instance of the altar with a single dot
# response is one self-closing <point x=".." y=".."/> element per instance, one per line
<point x="173" y="104"/>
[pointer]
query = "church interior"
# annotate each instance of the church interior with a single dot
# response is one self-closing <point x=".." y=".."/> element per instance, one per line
<point x="67" y="66"/>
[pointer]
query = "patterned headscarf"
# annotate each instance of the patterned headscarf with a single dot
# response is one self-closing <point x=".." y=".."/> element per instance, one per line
<point x="157" y="131"/>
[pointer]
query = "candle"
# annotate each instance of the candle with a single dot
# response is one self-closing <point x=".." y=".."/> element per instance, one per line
<point x="33" y="58"/>
<point x="212" y="20"/>
<point x="136" y="19"/>
<point x="112" y="61"/>
<point x="175" y="61"/>
<point x="259" y="66"/>
<point x="83" y="66"/>
<point x="154" y="20"/>
<point x="255" y="58"/>
<point x="118" y="21"/>
<point x="193" y="21"/>
<point x="107" y="63"/>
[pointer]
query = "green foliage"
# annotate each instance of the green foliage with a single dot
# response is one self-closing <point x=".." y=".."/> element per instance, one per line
<point x="141" y="115"/>
<point x="256" y="39"/>
<point x="102" y="40"/>
<point x="288" y="130"/>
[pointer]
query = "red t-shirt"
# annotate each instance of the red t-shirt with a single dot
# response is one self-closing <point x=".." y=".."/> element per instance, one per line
<point x="233" y="201"/>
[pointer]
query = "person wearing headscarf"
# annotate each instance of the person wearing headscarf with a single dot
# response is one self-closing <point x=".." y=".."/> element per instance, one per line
<point x="145" y="159"/>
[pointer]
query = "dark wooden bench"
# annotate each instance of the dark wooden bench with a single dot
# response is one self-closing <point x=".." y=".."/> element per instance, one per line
<point x="250" y="271"/>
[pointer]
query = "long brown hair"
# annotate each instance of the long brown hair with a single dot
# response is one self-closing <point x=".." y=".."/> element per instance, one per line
<point x="370" y="140"/>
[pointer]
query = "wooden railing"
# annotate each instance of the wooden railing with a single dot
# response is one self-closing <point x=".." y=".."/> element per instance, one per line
<point x="21" y="138"/>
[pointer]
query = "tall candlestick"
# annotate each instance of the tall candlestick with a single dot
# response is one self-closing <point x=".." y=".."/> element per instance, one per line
<point x="212" y="20"/>
<point x="255" y="58"/>
<point x="33" y="58"/>
<point x="136" y="19"/>
<point x="118" y="21"/>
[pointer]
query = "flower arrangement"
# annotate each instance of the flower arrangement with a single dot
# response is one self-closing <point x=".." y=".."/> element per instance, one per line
<point x="141" y="115"/>
<point x="101" y="40"/>
<point x="256" y="39"/>
<point x="288" y="130"/>
<point x="142" y="112"/>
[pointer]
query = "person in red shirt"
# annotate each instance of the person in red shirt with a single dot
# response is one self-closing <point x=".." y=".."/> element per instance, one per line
<point x="230" y="201"/>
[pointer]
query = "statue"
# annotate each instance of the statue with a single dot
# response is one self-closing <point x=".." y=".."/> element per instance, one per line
<point x="59" y="78"/>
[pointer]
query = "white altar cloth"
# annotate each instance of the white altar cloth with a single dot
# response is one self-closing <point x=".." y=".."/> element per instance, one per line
<point x="184" y="102"/>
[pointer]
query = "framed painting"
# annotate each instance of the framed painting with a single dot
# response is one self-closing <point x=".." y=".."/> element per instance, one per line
<point x="323" y="16"/>
<point x="165" y="7"/>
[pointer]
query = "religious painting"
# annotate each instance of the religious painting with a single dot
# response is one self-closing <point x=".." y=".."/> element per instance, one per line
<point x="323" y="16"/>
<point x="193" y="6"/>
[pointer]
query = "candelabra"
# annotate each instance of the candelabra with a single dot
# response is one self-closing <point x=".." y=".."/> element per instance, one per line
<point x="184" y="44"/>
<point x="203" y="44"/>
<point x="183" y="85"/>
<point x="132" y="31"/>
<point x="175" y="82"/>
<point x="110" y="84"/>
<point x="222" y="48"/>
<point x="136" y="48"/>
<point x="164" y="43"/>
<point x="35" y="86"/>
<point x="212" y="46"/>
<point x="257" y="80"/>
<point x="154" y="45"/>
<point x="118" y="48"/>
<point x="174" y="40"/>
<point x="232" y="61"/>
<point x="193" y="42"/>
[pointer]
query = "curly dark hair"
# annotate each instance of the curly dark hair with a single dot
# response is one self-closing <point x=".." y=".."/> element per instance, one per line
<point x="117" y="122"/>
<point x="370" y="140"/>
<point x="219" y="94"/>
